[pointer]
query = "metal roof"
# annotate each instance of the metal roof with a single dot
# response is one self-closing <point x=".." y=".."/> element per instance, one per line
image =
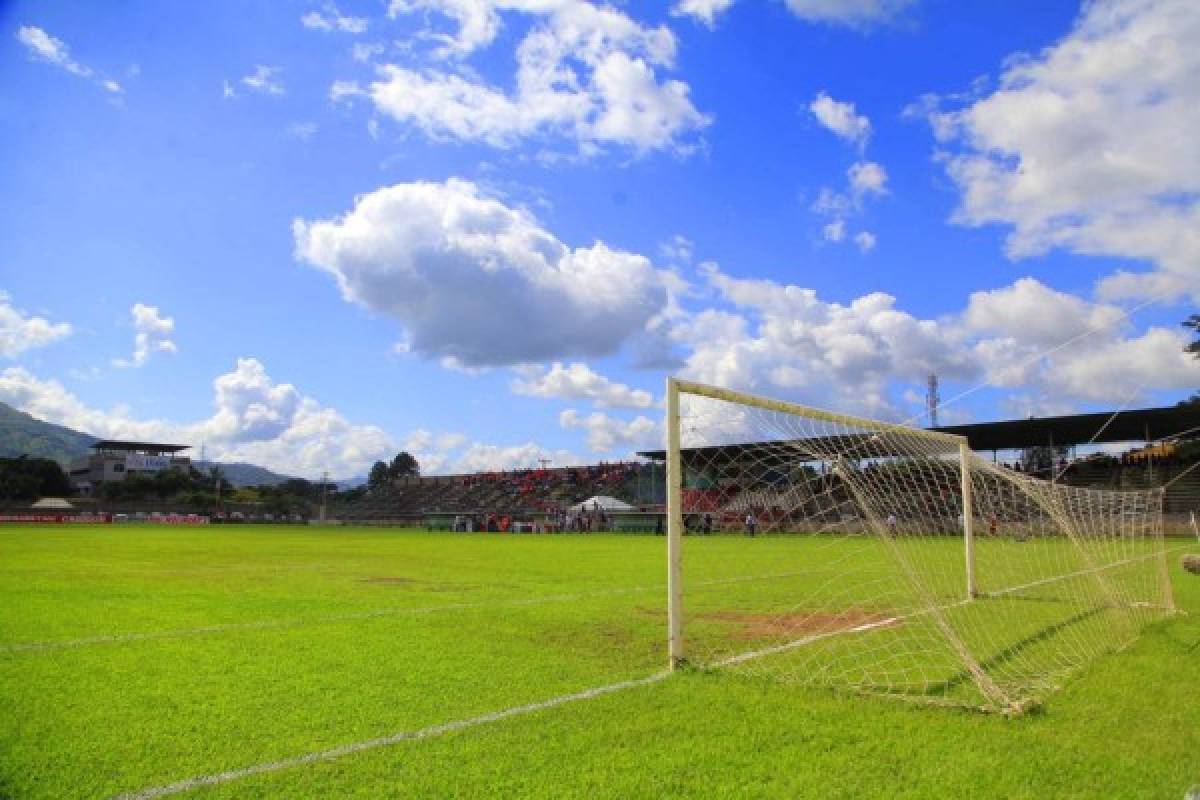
<point x="1134" y="425"/>
<point x="137" y="447"/>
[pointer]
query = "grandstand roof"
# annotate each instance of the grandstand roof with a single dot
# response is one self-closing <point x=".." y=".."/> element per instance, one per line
<point x="1134" y="425"/>
<point x="138" y="447"/>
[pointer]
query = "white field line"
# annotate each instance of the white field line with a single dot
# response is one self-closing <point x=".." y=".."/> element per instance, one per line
<point x="449" y="727"/>
<point x="188" y="784"/>
<point x="1082" y="572"/>
<point x="386" y="741"/>
<point x="806" y="640"/>
<point x="870" y="626"/>
<point x="273" y="624"/>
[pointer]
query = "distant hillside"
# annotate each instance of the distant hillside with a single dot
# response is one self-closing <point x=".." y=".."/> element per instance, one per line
<point x="21" y="434"/>
<point x="240" y="474"/>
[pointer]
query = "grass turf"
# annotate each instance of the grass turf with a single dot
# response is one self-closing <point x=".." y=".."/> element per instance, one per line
<point x="268" y="643"/>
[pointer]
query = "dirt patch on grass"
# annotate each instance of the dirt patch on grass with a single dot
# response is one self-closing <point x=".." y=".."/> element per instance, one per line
<point x="794" y="625"/>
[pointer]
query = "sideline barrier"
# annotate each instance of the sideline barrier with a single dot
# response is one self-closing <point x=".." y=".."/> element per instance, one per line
<point x="55" y="519"/>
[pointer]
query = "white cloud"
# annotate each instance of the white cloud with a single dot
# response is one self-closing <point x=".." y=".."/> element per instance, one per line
<point x="679" y="249"/>
<point x="474" y="280"/>
<point x="834" y="231"/>
<point x="329" y="19"/>
<point x="152" y="334"/>
<point x="851" y="13"/>
<point x="365" y="51"/>
<point x="705" y="11"/>
<point x="264" y="80"/>
<point x="44" y="47"/>
<point x="841" y="118"/>
<point x="578" y="382"/>
<point x="481" y="457"/>
<point x="784" y="340"/>
<point x="1089" y="146"/>
<point x="454" y="453"/>
<point x="20" y="332"/>
<point x="584" y="72"/>
<point x="606" y="433"/>
<point x="302" y="130"/>
<point x="866" y="178"/>
<point x="255" y="419"/>
<point x="1032" y="313"/>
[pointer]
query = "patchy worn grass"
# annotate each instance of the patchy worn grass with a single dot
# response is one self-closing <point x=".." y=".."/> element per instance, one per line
<point x="135" y="657"/>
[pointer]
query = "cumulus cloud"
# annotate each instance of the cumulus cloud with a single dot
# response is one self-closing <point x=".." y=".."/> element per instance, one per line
<point x="255" y="419"/>
<point x="578" y="382"/>
<point x="834" y="231"/>
<point x="864" y="179"/>
<point x="850" y="13"/>
<point x="1089" y="146"/>
<point x="330" y="20"/>
<point x="705" y="11"/>
<point x="454" y="453"/>
<point x="264" y="80"/>
<point x="606" y="433"/>
<point x="365" y="51"/>
<point x="841" y="118"/>
<point x="44" y="47"/>
<point x="20" y="332"/>
<point x="1032" y="313"/>
<point x="152" y="334"/>
<point x="865" y="240"/>
<point x="678" y="249"/>
<point x="584" y="72"/>
<point x="1056" y="348"/>
<point x="476" y="281"/>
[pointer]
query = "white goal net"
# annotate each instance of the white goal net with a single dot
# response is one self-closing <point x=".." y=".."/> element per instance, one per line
<point x="841" y="552"/>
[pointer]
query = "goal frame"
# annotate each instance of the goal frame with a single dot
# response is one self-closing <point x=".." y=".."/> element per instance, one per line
<point x="677" y="651"/>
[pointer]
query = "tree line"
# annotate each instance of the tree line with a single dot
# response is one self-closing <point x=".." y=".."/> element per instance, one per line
<point x="402" y="466"/>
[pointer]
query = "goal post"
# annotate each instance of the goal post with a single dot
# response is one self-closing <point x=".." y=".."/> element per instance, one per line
<point x="896" y="560"/>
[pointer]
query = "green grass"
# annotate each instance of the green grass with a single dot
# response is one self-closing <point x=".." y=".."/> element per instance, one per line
<point x="329" y="637"/>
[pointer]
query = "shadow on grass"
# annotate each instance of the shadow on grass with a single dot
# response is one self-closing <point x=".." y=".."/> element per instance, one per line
<point x="1008" y="654"/>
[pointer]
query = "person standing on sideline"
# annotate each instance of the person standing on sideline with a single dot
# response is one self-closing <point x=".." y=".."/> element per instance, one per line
<point x="891" y="524"/>
<point x="751" y="524"/>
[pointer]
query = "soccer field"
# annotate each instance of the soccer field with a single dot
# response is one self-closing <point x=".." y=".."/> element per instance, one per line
<point x="371" y="662"/>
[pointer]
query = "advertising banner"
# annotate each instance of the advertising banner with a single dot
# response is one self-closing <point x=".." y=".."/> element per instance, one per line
<point x="140" y="461"/>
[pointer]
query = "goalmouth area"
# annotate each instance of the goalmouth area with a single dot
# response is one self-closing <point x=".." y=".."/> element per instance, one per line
<point x="274" y="661"/>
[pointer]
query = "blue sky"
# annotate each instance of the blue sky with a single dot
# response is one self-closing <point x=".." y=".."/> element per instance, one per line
<point x="308" y="235"/>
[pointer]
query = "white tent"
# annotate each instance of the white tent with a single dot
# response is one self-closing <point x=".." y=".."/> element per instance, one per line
<point x="52" y="502"/>
<point x="604" y="502"/>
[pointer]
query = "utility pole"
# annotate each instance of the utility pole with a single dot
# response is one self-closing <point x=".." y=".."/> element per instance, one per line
<point x="932" y="400"/>
<point x="324" y="492"/>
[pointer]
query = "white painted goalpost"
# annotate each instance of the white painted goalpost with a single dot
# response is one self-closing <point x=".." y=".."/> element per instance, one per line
<point x="899" y="563"/>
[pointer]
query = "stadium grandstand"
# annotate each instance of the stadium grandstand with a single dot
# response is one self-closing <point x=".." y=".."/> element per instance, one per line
<point x="1161" y="447"/>
<point x="113" y="460"/>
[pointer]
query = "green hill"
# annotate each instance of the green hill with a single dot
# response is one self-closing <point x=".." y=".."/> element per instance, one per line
<point x="21" y="434"/>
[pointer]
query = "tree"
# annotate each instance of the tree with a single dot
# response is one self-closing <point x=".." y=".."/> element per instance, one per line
<point x="404" y="466"/>
<point x="378" y="476"/>
<point x="30" y="478"/>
